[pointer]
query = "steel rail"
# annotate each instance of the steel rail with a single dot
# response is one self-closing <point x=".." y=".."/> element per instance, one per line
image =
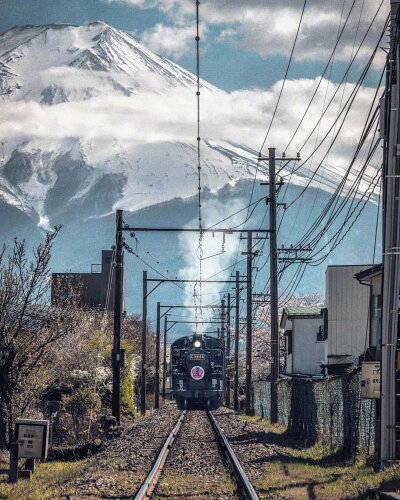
<point x="240" y="474"/>
<point x="152" y="479"/>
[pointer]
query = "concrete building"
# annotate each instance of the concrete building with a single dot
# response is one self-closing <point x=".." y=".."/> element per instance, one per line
<point x="348" y="312"/>
<point x="372" y="278"/>
<point x="334" y="338"/>
<point x="92" y="288"/>
<point x="305" y="333"/>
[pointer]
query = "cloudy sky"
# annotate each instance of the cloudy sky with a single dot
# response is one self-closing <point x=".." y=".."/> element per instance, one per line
<point x="244" y="44"/>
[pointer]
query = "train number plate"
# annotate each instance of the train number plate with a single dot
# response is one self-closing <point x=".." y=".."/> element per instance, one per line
<point x="197" y="356"/>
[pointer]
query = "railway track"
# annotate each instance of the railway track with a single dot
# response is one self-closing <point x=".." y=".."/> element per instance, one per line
<point x="197" y="461"/>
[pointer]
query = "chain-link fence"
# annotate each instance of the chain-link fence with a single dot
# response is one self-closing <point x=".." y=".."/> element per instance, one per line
<point x="328" y="409"/>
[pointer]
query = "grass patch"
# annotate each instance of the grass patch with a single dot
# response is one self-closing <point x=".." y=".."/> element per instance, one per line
<point x="47" y="481"/>
<point x="317" y="471"/>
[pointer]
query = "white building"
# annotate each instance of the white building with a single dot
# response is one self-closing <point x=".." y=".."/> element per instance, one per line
<point x="331" y="339"/>
<point x="305" y="339"/>
<point x="348" y="312"/>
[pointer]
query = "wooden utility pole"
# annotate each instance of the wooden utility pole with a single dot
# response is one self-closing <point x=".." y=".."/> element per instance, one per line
<point x="116" y="352"/>
<point x="158" y="339"/>
<point x="144" y="347"/>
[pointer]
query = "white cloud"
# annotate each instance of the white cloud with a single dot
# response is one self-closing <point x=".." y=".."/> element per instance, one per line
<point x="268" y="28"/>
<point x="239" y="117"/>
<point x="171" y="41"/>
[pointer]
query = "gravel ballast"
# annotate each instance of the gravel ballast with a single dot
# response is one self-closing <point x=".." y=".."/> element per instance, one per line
<point x="194" y="468"/>
<point x="120" y="468"/>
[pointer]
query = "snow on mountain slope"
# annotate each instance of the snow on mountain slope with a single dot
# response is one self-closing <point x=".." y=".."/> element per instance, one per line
<point x="95" y="120"/>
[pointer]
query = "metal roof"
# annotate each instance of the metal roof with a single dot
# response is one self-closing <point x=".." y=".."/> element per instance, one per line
<point x="292" y="312"/>
<point x="369" y="273"/>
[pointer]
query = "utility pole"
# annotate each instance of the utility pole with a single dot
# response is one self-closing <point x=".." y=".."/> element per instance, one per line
<point x="164" y="376"/>
<point x="273" y="259"/>
<point x="228" y="352"/>
<point x="157" y="381"/>
<point x="116" y="352"/>
<point x="222" y="332"/>
<point x="390" y="343"/>
<point x="273" y="276"/>
<point x="144" y="347"/>
<point x="249" y="339"/>
<point x="236" y="363"/>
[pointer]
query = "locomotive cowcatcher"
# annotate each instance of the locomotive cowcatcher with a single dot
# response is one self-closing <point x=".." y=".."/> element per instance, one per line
<point x="198" y="371"/>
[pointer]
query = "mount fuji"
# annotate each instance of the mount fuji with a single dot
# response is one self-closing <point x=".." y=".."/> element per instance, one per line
<point x="80" y="71"/>
<point x="95" y="121"/>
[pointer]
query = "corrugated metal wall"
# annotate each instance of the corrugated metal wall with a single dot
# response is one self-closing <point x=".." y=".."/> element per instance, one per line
<point x="348" y="304"/>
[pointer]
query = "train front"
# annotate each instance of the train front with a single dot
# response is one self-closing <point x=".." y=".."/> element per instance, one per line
<point x="198" y="371"/>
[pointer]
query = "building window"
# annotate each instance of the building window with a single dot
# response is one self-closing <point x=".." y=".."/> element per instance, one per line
<point x="107" y="260"/>
<point x="289" y="341"/>
<point x="321" y="334"/>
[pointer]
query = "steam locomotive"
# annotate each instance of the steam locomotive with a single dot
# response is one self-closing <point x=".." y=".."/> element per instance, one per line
<point x="198" y="372"/>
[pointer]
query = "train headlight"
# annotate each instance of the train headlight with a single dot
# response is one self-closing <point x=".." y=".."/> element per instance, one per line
<point x="196" y="343"/>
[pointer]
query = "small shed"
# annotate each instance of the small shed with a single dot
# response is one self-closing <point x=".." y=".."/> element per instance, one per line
<point x="305" y="333"/>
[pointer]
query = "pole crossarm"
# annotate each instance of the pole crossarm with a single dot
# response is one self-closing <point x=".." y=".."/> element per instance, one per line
<point x="211" y="306"/>
<point x="295" y="259"/>
<point x="267" y="158"/>
<point x="195" y="322"/>
<point x="161" y="280"/>
<point x="190" y="230"/>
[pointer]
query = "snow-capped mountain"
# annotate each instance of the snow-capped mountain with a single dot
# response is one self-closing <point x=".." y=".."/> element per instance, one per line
<point x="92" y="120"/>
<point x="62" y="79"/>
<point x="94" y="117"/>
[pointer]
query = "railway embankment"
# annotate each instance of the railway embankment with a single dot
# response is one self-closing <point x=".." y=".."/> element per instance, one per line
<point x="194" y="468"/>
<point x="120" y="468"/>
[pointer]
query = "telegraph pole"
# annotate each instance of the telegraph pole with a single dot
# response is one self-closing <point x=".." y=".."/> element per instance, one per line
<point x="164" y="376"/>
<point x="116" y="353"/>
<point x="390" y="343"/>
<point x="249" y="339"/>
<point x="228" y="352"/>
<point x="273" y="259"/>
<point x="144" y="346"/>
<point x="236" y="363"/>
<point x="273" y="275"/>
<point x="222" y="331"/>
<point x="157" y="380"/>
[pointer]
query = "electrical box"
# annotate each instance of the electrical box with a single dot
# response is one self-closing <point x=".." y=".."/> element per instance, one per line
<point x="370" y="380"/>
<point x="32" y="437"/>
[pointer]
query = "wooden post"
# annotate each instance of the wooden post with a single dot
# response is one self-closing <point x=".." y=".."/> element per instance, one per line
<point x="13" y="475"/>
